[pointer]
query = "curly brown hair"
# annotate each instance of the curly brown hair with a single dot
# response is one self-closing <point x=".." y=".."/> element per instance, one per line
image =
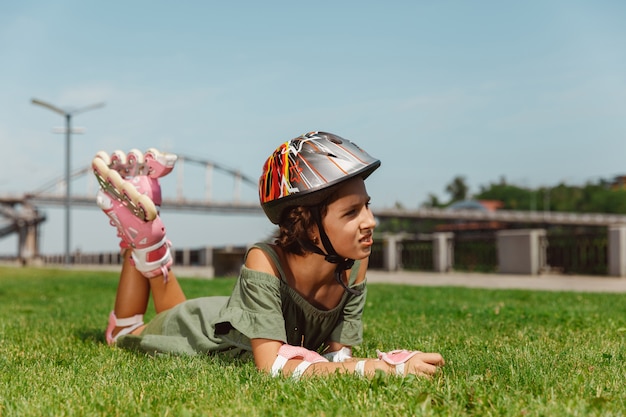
<point x="294" y="227"/>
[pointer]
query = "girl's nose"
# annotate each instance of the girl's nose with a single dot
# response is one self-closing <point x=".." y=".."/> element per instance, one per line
<point x="368" y="220"/>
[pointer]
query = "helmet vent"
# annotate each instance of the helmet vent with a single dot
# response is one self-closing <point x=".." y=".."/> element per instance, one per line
<point x="335" y="139"/>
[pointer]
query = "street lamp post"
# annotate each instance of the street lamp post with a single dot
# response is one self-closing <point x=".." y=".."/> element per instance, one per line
<point x="67" y="114"/>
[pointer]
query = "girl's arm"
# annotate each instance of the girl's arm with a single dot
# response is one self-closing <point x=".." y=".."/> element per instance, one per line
<point x="267" y="353"/>
<point x="269" y="357"/>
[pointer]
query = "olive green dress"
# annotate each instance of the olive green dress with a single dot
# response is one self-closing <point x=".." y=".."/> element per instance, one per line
<point x="260" y="306"/>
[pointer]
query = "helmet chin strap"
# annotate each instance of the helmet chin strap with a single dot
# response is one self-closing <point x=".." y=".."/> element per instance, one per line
<point x="331" y="255"/>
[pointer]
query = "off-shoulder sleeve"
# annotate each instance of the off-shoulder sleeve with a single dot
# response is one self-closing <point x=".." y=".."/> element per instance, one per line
<point x="254" y="309"/>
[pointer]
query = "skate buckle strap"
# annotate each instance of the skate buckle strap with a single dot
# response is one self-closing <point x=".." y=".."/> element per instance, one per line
<point x="129" y="324"/>
<point x="397" y="358"/>
<point x="287" y="352"/>
<point x="154" y="260"/>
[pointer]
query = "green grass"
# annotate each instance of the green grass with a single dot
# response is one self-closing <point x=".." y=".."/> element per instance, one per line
<point x="517" y="353"/>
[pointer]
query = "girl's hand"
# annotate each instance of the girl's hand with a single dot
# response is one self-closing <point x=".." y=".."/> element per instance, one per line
<point x="406" y="362"/>
<point x="424" y="364"/>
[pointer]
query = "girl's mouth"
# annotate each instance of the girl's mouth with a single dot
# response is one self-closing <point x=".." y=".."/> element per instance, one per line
<point x="367" y="240"/>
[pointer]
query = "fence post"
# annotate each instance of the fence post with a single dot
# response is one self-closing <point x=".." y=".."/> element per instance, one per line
<point x="521" y="251"/>
<point x="205" y="257"/>
<point x="443" y="251"/>
<point x="392" y="247"/>
<point x="186" y="257"/>
<point x="617" y="250"/>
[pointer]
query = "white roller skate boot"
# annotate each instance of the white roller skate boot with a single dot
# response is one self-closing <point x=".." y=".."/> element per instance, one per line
<point x="130" y="196"/>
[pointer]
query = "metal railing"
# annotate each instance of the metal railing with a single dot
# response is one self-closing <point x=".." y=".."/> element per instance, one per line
<point x="567" y="252"/>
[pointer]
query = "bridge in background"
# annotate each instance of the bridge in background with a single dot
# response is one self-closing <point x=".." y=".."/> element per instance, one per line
<point x="21" y="215"/>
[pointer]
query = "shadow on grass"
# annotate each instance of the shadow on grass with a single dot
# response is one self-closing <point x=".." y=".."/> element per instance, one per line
<point x="91" y="335"/>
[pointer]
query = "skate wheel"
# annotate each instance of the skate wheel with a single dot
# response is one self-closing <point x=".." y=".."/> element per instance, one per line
<point x="130" y="192"/>
<point x="135" y="157"/>
<point x="135" y="161"/>
<point x="146" y="207"/>
<point x="118" y="160"/>
<point x="118" y="157"/>
<point x="104" y="156"/>
<point x="100" y="170"/>
<point x="117" y="182"/>
<point x="100" y="167"/>
<point x="152" y="153"/>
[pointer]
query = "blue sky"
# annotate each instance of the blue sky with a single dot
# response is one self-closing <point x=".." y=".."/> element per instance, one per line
<point x="532" y="91"/>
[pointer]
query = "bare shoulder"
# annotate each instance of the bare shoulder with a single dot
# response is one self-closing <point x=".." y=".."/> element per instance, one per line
<point x="260" y="261"/>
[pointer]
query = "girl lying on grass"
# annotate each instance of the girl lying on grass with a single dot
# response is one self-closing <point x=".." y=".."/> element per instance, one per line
<point x="301" y="295"/>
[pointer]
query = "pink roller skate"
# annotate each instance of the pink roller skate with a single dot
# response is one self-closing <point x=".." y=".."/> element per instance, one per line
<point x="145" y="169"/>
<point x="130" y="195"/>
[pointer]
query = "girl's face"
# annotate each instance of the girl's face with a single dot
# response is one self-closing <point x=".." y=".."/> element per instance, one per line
<point x="349" y="222"/>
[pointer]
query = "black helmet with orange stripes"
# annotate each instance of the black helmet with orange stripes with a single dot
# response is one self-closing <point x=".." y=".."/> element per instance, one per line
<point x="305" y="170"/>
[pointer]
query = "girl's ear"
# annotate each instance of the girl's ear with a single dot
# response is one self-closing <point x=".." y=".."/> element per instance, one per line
<point x="313" y="233"/>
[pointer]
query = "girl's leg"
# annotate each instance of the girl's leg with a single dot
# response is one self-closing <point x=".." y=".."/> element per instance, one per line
<point x="133" y="293"/>
<point x="130" y="195"/>
<point x="131" y="302"/>
<point x="166" y="295"/>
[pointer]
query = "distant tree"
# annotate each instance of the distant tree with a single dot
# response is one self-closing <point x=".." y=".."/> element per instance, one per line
<point x="511" y="196"/>
<point x="590" y="198"/>
<point x="457" y="189"/>
<point x="600" y="197"/>
<point x="432" y="202"/>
